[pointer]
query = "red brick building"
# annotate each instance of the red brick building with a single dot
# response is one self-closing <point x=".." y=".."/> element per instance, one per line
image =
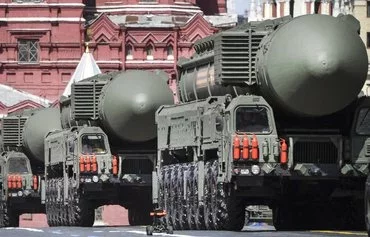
<point x="41" y="41"/>
<point x="40" y="44"/>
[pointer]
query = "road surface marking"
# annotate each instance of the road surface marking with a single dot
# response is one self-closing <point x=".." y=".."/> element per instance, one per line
<point x="163" y="234"/>
<point x="339" y="232"/>
<point x="29" y="229"/>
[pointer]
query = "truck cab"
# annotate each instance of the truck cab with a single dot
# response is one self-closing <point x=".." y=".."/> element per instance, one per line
<point x="20" y="187"/>
<point x="86" y="154"/>
<point x="253" y="137"/>
<point x="78" y="166"/>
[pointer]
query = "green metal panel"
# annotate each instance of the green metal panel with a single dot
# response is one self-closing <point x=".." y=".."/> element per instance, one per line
<point x="128" y="104"/>
<point x="312" y="66"/>
<point x="35" y="129"/>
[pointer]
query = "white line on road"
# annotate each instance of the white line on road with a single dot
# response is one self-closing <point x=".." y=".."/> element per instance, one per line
<point x="29" y="229"/>
<point x="162" y="234"/>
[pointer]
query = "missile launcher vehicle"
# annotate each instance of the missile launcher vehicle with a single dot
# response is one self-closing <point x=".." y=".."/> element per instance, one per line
<point x="105" y="151"/>
<point x="22" y="163"/>
<point x="270" y="114"/>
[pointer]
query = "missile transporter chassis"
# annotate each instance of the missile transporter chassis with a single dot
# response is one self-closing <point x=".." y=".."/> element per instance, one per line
<point x="260" y="123"/>
<point x="20" y="189"/>
<point x="209" y="169"/>
<point x="81" y="175"/>
<point x="127" y="119"/>
<point x="21" y="168"/>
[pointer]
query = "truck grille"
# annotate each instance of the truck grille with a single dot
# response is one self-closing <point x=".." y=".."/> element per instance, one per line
<point x="13" y="131"/>
<point x="137" y="166"/>
<point x="235" y="57"/>
<point x="85" y="100"/>
<point x="315" y="152"/>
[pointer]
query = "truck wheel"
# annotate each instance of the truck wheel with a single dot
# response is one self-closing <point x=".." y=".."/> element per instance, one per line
<point x="62" y="208"/>
<point x="2" y="206"/>
<point x="50" y="204"/>
<point x="230" y="211"/>
<point x="367" y="205"/>
<point x="282" y="218"/>
<point x="149" y="230"/>
<point x="11" y="218"/>
<point x="70" y="209"/>
<point x="137" y="216"/>
<point x="356" y="213"/>
<point x="231" y="214"/>
<point x="169" y="230"/>
<point x="84" y="213"/>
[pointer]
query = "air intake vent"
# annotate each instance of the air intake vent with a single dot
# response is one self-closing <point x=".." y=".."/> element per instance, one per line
<point x="85" y="100"/>
<point x="324" y="152"/>
<point x="13" y="131"/>
<point x="235" y="57"/>
<point x="137" y="166"/>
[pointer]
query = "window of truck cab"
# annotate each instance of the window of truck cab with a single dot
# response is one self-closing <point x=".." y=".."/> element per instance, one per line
<point x="252" y="119"/>
<point x="363" y="122"/>
<point x="18" y="165"/>
<point x="93" y="144"/>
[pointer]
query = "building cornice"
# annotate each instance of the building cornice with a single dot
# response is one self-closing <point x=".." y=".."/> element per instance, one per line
<point x="145" y="8"/>
<point x="30" y="4"/>
<point x="42" y="19"/>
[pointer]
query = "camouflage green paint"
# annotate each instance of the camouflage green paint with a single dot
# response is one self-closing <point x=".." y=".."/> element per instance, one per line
<point x="36" y="127"/>
<point x="309" y="61"/>
<point x="128" y="104"/>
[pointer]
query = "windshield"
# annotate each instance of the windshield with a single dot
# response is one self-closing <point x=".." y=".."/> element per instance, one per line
<point x="252" y="120"/>
<point x="363" y="122"/>
<point x="18" y="165"/>
<point x="93" y="144"/>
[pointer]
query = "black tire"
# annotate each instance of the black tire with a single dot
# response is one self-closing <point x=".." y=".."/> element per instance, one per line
<point x="367" y="205"/>
<point x="282" y="218"/>
<point x="149" y="230"/>
<point x="11" y="217"/>
<point x="80" y="211"/>
<point x="50" y="204"/>
<point x="137" y="216"/>
<point x="2" y="203"/>
<point x="169" y="230"/>
<point x="84" y="215"/>
<point x="232" y="210"/>
<point x="226" y="213"/>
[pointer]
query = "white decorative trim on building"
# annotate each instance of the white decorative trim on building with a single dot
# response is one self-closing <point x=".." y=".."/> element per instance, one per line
<point x="42" y="19"/>
<point x="34" y="4"/>
<point x="301" y="7"/>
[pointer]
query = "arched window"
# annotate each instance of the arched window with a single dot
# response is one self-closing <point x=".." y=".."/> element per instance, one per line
<point x="149" y="52"/>
<point x="170" y="52"/>
<point x="129" y="52"/>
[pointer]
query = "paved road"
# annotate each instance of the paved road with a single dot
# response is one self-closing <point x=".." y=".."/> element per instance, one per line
<point x="129" y="231"/>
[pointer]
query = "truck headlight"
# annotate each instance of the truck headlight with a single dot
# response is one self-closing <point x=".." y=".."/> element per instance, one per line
<point x="95" y="178"/>
<point x="255" y="169"/>
<point x="20" y="193"/>
<point x="244" y="171"/>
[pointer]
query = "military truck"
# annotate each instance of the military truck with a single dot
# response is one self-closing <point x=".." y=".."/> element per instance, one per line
<point x="105" y="150"/>
<point x="21" y="163"/>
<point x="270" y="114"/>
